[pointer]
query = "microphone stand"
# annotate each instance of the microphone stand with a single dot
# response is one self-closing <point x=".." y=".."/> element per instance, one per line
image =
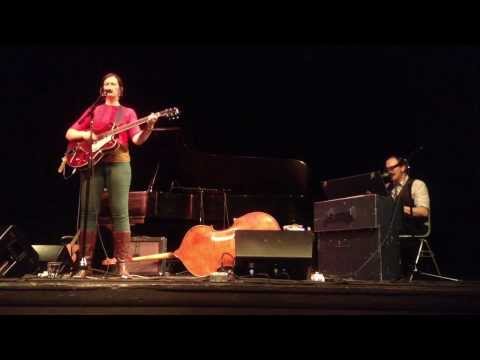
<point x="89" y="174"/>
<point x="152" y="182"/>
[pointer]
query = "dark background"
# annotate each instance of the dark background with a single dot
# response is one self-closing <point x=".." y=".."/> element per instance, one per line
<point x="341" y="109"/>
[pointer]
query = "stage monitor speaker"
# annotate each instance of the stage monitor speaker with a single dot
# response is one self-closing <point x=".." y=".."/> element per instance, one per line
<point x="17" y="256"/>
<point x="360" y="254"/>
<point x="286" y="254"/>
<point x="52" y="253"/>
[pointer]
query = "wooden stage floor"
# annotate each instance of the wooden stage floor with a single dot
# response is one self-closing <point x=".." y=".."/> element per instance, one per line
<point x="177" y="295"/>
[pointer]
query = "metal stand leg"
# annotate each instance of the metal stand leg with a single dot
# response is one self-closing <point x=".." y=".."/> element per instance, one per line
<point x="438" y="276"/>
<point x="4" y="265"/>
<point x="432" y="256"/>
<point x="202" y="208"/>
<point x="10" y="265"/>
<point x="417" y="258"/>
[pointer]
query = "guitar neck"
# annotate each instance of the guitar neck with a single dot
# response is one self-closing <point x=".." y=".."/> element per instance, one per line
<point x="125" y="127"/>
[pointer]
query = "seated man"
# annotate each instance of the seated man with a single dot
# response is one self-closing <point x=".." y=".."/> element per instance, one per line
<point x="414" y="204"/>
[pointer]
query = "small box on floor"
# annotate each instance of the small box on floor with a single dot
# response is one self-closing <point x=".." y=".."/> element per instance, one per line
<point x="148" y="245"/>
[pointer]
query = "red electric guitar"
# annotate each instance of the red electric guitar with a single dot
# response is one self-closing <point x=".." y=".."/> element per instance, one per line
<point x="78" y="152"/>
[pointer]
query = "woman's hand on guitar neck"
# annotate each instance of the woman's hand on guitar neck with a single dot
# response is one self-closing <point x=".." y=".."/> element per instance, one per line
<point x="152" y="119"/>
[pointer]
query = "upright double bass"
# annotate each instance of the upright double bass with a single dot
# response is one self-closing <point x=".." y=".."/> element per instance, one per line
<point x="204" y="250"/>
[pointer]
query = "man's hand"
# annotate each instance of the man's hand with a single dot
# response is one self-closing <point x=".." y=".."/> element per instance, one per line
<point x="416" y="211"/>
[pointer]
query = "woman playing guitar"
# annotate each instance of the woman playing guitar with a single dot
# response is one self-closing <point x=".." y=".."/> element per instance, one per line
<point x="112" y="169"/>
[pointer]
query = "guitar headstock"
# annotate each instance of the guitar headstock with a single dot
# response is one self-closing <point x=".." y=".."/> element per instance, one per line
<point x="171" y="113"/>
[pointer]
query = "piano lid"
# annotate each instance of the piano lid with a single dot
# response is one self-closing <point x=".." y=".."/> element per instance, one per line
<point x="242" y="174"/>
<point x="179" y="166"/>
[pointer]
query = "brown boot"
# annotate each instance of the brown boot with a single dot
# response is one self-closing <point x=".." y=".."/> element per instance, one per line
<point x="90" y="241"/>
<point x="121" y="251"/>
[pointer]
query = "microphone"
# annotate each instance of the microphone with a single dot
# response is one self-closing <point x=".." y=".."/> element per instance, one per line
<point x="385" y="175"/>
<point x="106" y="91"/>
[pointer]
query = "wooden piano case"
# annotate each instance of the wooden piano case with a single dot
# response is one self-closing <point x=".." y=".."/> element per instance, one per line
<point x="137" y="207"/>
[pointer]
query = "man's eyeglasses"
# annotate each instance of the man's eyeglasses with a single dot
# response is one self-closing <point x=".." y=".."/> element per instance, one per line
<point x="390" y="168"/>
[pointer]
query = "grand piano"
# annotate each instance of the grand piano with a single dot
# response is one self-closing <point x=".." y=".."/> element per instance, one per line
<point x="188" y="187"/>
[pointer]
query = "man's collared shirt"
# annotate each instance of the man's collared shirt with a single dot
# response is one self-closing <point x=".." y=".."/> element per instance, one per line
<point x="419" y="192"/>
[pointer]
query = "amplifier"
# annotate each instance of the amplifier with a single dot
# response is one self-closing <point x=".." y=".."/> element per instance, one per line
<point x="17" y="257"/>
<point x="356" y="212"/>
<point x="147" y="245"/>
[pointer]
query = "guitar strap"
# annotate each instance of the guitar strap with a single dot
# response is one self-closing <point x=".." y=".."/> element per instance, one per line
<point x="118" y="116"/>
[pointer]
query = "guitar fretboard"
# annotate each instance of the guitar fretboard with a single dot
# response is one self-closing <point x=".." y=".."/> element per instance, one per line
<point x="126" y="127"/>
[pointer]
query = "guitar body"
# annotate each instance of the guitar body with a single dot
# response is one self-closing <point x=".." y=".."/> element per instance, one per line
<point x="78" y="152"/>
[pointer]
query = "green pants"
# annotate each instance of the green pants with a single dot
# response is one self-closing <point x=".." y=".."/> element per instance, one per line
<point x="116" y="178"/>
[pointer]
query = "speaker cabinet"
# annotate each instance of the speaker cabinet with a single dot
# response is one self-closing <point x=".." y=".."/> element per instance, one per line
<point x="17" y="256"/>
<point x="359" y="254"/>
<point x="50" y="253"/>
<point x="277" y="254"/>
<point x="357" y="237"/>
